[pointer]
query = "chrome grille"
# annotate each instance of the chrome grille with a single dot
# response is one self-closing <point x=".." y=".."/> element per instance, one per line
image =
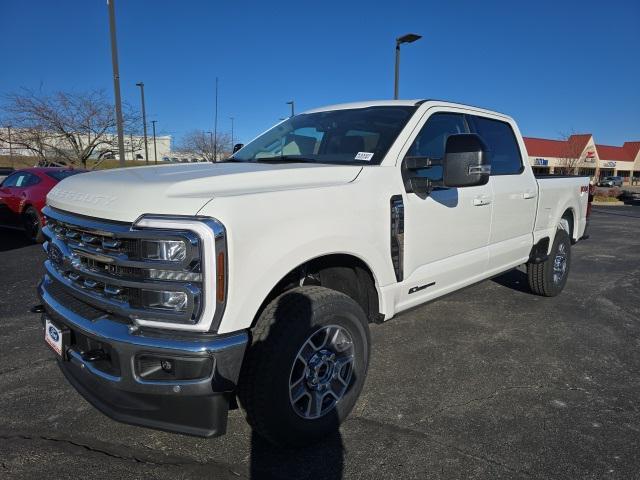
<point x="103" y="264"/>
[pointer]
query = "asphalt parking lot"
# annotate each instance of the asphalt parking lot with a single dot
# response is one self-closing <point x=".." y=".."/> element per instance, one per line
<point x="490" y="382"/>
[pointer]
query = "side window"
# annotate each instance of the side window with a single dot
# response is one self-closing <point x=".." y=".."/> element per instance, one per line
<point x="432" y="139"/>
<point x="22" y="180"/>
<point x="499" y="137"/>
<point x="10" y="181"/>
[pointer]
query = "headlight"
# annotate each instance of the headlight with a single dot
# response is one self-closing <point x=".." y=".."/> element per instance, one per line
<point x="188" y="255"/>
<point x="167" y="250"/>
<point x="165" y="300"/>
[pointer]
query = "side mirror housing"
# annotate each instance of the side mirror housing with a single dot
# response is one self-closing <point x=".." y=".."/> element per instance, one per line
<point x="237" y="147"/>
<point x="466" y="162"/>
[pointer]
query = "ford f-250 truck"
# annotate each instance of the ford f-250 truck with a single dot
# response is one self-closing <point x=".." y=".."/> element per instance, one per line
<point x="173" y="293"/>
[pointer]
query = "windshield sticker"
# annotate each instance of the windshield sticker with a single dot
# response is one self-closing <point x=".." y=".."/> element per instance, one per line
<point x="367" y="156"/>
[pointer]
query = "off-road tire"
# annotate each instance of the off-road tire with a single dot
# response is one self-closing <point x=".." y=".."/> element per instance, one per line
<point x="541" y="275"/>
<point x="281" y="330"/>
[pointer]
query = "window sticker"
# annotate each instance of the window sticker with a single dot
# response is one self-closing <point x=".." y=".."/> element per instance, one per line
<point x="21" y="180"/>
<point x="366" y="156"/>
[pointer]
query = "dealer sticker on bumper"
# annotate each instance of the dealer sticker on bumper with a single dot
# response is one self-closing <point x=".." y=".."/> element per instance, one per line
<point x="53" y="336"/>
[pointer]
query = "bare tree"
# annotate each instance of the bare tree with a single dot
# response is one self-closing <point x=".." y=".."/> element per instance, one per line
<point x="64" y="127"/>
<point x="200" y="144"/>
<point x="571" y="153"/>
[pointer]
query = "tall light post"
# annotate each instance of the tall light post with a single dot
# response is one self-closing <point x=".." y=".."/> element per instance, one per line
<point x="155" y="150"/>
<point x="144" y="122"/>
<point x="292" y="108"/>
<point x="408" y="38"/>
<point x="116" y="79"/>
<point x="215" y="128"/>
<point x="211" y="140"/>
<point x="10" y="146"/>
<point x="231" y="118"/>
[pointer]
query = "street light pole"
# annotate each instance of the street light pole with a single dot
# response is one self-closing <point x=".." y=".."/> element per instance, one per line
<point x="291" y="103"/>
<point x="155" y="150"/>
<point x="144" y="123"/>
<point x="408" y="38"/>
<point x="231" y="134"/>
<point x="133" y="153"/>
<point x="10" y="147"/>
<point x="116" y="79"/>
<point x="215" y="128"/>
<point x="211" y="141"/>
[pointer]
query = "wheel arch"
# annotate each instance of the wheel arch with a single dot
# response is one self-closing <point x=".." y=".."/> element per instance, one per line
<point x="343" y="272"/>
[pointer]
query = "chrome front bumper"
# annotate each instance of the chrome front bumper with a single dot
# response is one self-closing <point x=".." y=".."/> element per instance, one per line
<point x="115" y="384"/>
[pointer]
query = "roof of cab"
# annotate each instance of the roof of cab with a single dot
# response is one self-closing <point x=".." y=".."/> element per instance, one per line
<point x="406" y="103"/>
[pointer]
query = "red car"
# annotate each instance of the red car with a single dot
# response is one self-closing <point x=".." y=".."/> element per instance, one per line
<point x="23" y="194"/>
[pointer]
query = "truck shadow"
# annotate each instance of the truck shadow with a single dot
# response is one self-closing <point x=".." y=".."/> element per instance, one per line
<point x="515" y="280"/>
<point x="321" y="460"/>
<point x="12" y="239"/>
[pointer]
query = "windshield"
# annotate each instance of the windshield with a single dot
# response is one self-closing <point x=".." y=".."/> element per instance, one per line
<point x="355" y="137"/>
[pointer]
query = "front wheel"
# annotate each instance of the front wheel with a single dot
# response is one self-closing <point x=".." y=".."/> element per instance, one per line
<point x="549" y="277"/>
<point x="32" y="225"/>
<point x="306" y="365"/>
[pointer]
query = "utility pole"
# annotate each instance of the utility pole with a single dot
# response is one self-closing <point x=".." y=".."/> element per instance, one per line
<point x="215" y="128"/>
<point x="210" y="142"/>
<point x="231" y="134"/>
<point x="155" y="150"/>
<point x="144" y="123"/>
<point x="408" y="38"/>
<point x="291" y="103"/>
<point x="10" y="147"/>
<point x="133" y="153"/>
<point x="116" y="79"/>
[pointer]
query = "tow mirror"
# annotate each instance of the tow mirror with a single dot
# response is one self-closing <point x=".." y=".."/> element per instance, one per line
<point x="467" y="161"/>
<point x="237" y="147"/>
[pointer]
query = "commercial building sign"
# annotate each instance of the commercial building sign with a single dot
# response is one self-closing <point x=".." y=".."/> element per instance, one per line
<point x="590" y="157"/>
<point x="541" y="162"/>
<point x="609" y="164"/>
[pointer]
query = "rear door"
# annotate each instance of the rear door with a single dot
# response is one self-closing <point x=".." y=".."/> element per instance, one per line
<point x="7" y="201"/>
<point x="514" y="194"/>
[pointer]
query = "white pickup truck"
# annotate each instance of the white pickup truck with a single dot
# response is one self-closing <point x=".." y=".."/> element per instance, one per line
<point x="173" y="293"/>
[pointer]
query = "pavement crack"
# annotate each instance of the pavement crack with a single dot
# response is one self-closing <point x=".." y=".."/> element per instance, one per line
<point x="112" y="454"/>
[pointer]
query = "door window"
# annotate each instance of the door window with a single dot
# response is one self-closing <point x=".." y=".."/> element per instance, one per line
<point x="432" y="139"/>
<point x="499" y="137"/>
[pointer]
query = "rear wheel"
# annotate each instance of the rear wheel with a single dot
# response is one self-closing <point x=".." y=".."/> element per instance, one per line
<point x="549" y="277"/>
<point x="32" y="225"/>
<point x="306" y="365"/>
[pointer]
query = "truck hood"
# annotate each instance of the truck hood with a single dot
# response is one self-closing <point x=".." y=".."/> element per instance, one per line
<point x="126" y="193"/>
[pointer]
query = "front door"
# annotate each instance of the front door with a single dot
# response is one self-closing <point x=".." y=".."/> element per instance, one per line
<point x="446" y="234"/>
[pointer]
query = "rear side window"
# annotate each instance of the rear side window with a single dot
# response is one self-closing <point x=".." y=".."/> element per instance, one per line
<point x="499" y="137"/>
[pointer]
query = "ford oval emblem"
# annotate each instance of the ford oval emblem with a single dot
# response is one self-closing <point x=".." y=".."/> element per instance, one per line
<point x="53" y="333"/>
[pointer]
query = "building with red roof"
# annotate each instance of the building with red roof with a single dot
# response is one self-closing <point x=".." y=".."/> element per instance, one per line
<point x="579" y="154"/>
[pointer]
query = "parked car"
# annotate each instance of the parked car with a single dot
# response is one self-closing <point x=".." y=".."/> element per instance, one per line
<point x="23" y="195"/>
<point x="610" y="182"/>
<point x="171" y="292"/>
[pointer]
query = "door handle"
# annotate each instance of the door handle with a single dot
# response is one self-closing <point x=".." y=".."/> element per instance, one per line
<point x="528" y="195"/>
<point x="480" y="201"/>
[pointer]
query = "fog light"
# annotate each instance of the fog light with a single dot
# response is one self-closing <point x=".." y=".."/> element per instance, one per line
<point x="176" y="301"/>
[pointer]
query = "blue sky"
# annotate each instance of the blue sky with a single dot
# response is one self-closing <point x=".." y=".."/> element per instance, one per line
<point x="556" y="66"/>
